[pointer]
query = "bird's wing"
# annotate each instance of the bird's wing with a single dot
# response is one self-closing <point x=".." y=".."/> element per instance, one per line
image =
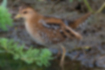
<point x="51" y="25"/>
<point x="58" y="25"/>
<point x="72" y="23"/>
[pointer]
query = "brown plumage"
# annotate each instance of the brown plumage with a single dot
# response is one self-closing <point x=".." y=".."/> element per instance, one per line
<point x="49" y="30"/>
<point x="74" y="24"/>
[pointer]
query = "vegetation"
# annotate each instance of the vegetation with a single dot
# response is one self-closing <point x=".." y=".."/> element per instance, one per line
<point x="5" y="16"/>
<point x="40" y="57"/>
<point x="89" y="7"/>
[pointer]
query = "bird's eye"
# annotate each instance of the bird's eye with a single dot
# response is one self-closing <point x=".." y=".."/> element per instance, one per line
<point x="25" y="12"/>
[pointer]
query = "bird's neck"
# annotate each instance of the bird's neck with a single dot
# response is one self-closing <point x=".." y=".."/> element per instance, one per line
<point x="34" y="18"/>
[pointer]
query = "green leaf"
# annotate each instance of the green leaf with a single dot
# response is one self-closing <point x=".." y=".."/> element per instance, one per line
<point x="16" y="57"/>
<point x="39" y="56"/>
<point x="5" y="18"/>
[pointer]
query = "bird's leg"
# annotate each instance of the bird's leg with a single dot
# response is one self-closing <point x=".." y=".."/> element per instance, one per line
<point x="63" y="55"/>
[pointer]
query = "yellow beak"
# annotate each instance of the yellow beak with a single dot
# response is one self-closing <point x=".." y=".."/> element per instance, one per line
<point x="17" y="16"/>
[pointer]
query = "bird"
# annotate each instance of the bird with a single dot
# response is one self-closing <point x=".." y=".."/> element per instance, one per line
<point x="49" y="30"/>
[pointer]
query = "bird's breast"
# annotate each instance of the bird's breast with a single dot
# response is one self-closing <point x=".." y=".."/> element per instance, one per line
<point x="34" y="34"/>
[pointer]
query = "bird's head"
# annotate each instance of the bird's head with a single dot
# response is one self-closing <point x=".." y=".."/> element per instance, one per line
<point x="25" y="12"/>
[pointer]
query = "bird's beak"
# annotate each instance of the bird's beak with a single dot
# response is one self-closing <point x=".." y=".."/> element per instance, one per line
<point x="17" y="16"/>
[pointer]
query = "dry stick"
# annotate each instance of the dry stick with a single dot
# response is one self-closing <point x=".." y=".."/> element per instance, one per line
<point x="101" y="8"/>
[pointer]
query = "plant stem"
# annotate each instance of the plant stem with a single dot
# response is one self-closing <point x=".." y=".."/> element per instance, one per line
<point x="101" y="8"/>
<point x="88" y="6"/>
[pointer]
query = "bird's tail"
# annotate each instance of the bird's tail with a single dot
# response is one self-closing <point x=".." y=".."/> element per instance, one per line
<point x="78" y="21"/>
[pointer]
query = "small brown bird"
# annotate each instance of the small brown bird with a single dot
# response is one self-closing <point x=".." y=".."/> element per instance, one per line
<point x="48" y="30"/>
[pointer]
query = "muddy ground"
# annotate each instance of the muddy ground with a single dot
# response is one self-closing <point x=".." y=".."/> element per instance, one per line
<point x="92" y="30"/>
